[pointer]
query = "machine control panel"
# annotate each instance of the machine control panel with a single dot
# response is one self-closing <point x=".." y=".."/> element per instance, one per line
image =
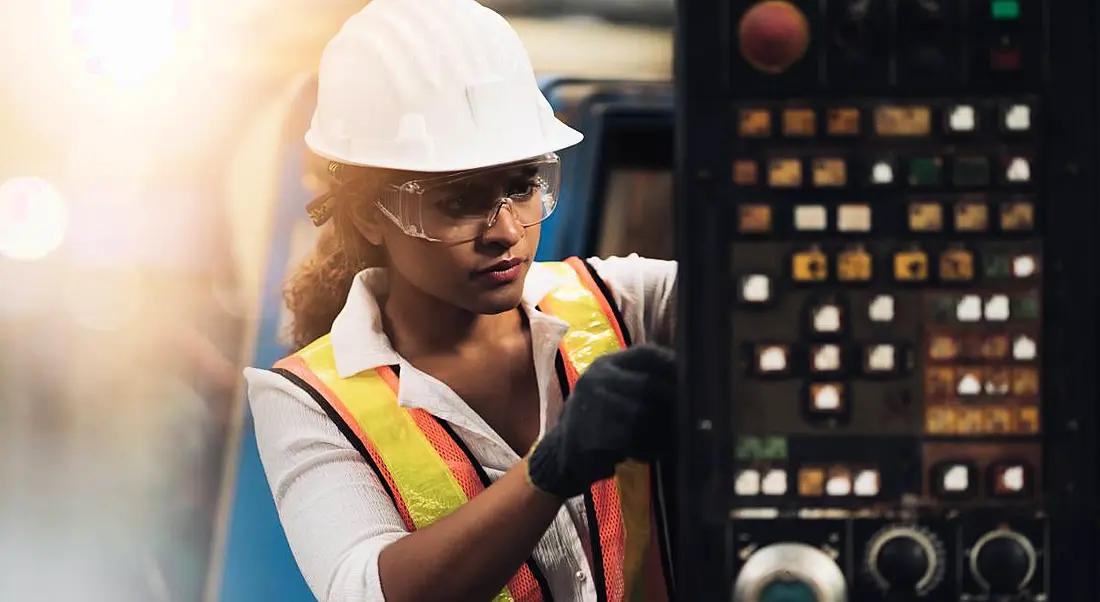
<point x="878" y="258"/>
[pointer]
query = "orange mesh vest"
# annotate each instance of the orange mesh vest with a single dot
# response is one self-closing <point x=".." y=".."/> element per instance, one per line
<point x="430" y="473"/>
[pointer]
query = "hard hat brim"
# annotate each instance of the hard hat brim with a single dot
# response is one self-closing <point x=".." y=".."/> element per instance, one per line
<point x="560" y="137"/>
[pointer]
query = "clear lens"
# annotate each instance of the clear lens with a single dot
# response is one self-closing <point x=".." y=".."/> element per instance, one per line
<point x="461" y="207"/>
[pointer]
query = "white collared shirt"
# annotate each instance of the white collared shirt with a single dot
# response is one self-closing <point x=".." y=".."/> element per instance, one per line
<point x="336" y="514"/>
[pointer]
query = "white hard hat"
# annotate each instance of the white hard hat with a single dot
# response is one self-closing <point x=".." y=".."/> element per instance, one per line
<point x="431" y="86"/>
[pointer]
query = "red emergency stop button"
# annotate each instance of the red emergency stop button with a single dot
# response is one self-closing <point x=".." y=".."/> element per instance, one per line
<point x="774" y="35"/>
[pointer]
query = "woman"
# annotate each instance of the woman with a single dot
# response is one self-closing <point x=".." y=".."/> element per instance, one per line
<point x="418" y="446"/>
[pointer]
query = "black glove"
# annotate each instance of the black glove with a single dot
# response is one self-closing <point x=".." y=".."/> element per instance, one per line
<point x="621" y="408"/>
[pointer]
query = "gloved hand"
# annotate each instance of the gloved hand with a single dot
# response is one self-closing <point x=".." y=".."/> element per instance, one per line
<point x="621" y="408"/>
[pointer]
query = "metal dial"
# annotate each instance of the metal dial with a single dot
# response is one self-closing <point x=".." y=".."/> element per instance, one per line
<point x="790" y="572"/>
<point x="904" y="558"/>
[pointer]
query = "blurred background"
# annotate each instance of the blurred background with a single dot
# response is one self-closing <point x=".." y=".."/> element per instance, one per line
<point x="152" y="186"/>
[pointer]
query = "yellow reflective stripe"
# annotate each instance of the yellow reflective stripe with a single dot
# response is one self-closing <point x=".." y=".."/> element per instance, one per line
<point x="632" y="479"/>
<point x="424" y="481"/>
<point x="591" y="334"/>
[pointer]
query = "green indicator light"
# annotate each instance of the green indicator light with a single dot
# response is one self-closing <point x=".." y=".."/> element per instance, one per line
<point x="1005" y="10"/>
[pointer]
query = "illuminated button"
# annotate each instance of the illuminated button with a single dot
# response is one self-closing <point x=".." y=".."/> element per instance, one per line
<point x="754" y="219"/>
<point x="746" y="172"/>
<point x="998" y="382"/>
<point x="962" y="119"/>
<point x="1027" y="420"/>
<point x="997" y="266"/>
<point x="811" y="482"/>
<point x="1016" y="118"/>
<point x="1017" y="170"/>
<point x="1010" y="479"/>
<point x="1024" y="266"/>
<point x="811" y="218"/>
<point x="773" y="36"/>
<point x="997" y="420"/>
<point x="1025" y="382"/>
<point x="968" y="421"/>
<point x="825" y="358"/>
<point x="785" y="173"/>
<point x="747" y="483"/>
<point x="827" y="319"/>
<point x="853" y="218"/>
<point x="1017" y="216"/>
<point x="839" y="483"/>
<point x="957" y="265"/>
<point x="774" y="482"/>
<point x="799" y="122"/>
<point x="881" y="309"/>
<point x="810" y="266"/>
<point x="755" y="123"/>
<point x="843" y="121"/>
<point x="854" y="265"/>
<point x="1004" y="10"/>
<point x="827" y="397"/>
<point x="926" y="171"/>
<point x="997" y="308"/>
<point x="969" y="383"/>
<point x="903" y="121"/>
<point x="970" y="172"/>
<point x="772" y="359"/>
<point x="952" y="479"/>
<point x="994" y="347"/>
<point x="830" y="173"/>
<point x="925" y="217"/>
<point x="756" y="288"/>
<point x="911" y="266"/>
<point x="880" y="359"/>
<point x="1026" y="307"/>
<point x="882" y="173"/>
<point x="969" y="309"/>
<point x="939" y="382"/>
<point x="971" y="217"/>
<point x="939" y="420"/>
<point x="867" y="483"/>
<point x="942" y="348"/>
<point x="1024" y="349"/>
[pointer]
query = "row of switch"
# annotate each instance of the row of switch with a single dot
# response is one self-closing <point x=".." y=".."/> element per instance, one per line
<point x="856" y="265"/>
<point x="957" y="119"/>
<point x="875" y="360"/>
<point x="978" y="309"/>
<point x="951" y="382"/>
<point x="919" y="172"/>
<point x="982" y="346"/>
<point x="968" y="217"/>
<point x="968" y="421"/>
<point x="960" y="479"/>
<point x="813" y="481"/>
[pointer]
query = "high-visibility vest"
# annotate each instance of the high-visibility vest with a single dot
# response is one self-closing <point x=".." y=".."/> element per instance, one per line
<point x="429" y="472"/>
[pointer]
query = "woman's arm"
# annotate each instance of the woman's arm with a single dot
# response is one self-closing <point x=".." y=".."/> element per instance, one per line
<point x="645" y="291"/>
<point x="348" y="539"/>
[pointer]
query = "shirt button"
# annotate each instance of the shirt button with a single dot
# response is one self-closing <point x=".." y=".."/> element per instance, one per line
<point x="581" y="576"/>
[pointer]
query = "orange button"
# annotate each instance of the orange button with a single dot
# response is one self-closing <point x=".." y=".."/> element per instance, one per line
<point x="773" y="36"/>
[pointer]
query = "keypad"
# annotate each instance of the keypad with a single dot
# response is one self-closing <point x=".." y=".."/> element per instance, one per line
<point x="889" y="276"/>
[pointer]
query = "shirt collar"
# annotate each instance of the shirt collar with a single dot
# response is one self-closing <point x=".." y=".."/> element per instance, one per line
<point x="358" y="341"/>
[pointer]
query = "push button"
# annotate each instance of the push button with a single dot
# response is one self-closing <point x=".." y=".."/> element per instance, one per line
<point x="843" y="121"/>
<point x="1009" y="479"/>
<point x="881" y="173"/>
<point x="1004" y="10"/>
<point x="830" y="173"/>
<point x="1016" y="170"/>
<point x="957" y="265"/>
<point x="826" y="319"/>
<point x="925" y="172"/>
<point x="826" y="359"/>
<point x="962" y="119"/>
<point x="756" y="289"/>
<point x="954" y="479"/>
<point x="827" y="398"/>
<point x="746" y="172"/>
<point x="810" y="265"/>
<point x="1016" y="118"/>
<point x="971" y="172"/>
<point x="971" y="217"/>
<point x="1017" y="216"/>
<point x="799" y="123"/>
<point x="883" y="360"/>
<point x="853" y="218"/>
<point x="811" y="218"/>
<point x="854" y="265"/>
<point x="754" y="219"/>
<point x="754" y="123"/>
<point x="925" y="217"/>
<point x="772" y="360"/>
<point x="785" y="173"/>
<point x="1005" y="60"/>
<point x="911" y="266"/>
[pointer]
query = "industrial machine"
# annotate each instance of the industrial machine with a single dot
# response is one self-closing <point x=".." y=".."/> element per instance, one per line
<point x="887" y="210"/>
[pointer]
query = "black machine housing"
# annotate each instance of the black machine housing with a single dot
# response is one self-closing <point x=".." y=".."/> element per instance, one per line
<point x="743" y="414"/>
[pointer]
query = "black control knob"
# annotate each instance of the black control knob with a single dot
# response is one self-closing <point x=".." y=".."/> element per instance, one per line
<point x="1003" y="561"/>
<point x="905" y="559"/>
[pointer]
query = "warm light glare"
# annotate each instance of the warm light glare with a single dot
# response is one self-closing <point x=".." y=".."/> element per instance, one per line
<point x="34" y="219"/>
<point x="127" y="40"/>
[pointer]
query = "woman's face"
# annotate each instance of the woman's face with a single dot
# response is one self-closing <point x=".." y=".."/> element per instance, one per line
<point x="484" y="275"/>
